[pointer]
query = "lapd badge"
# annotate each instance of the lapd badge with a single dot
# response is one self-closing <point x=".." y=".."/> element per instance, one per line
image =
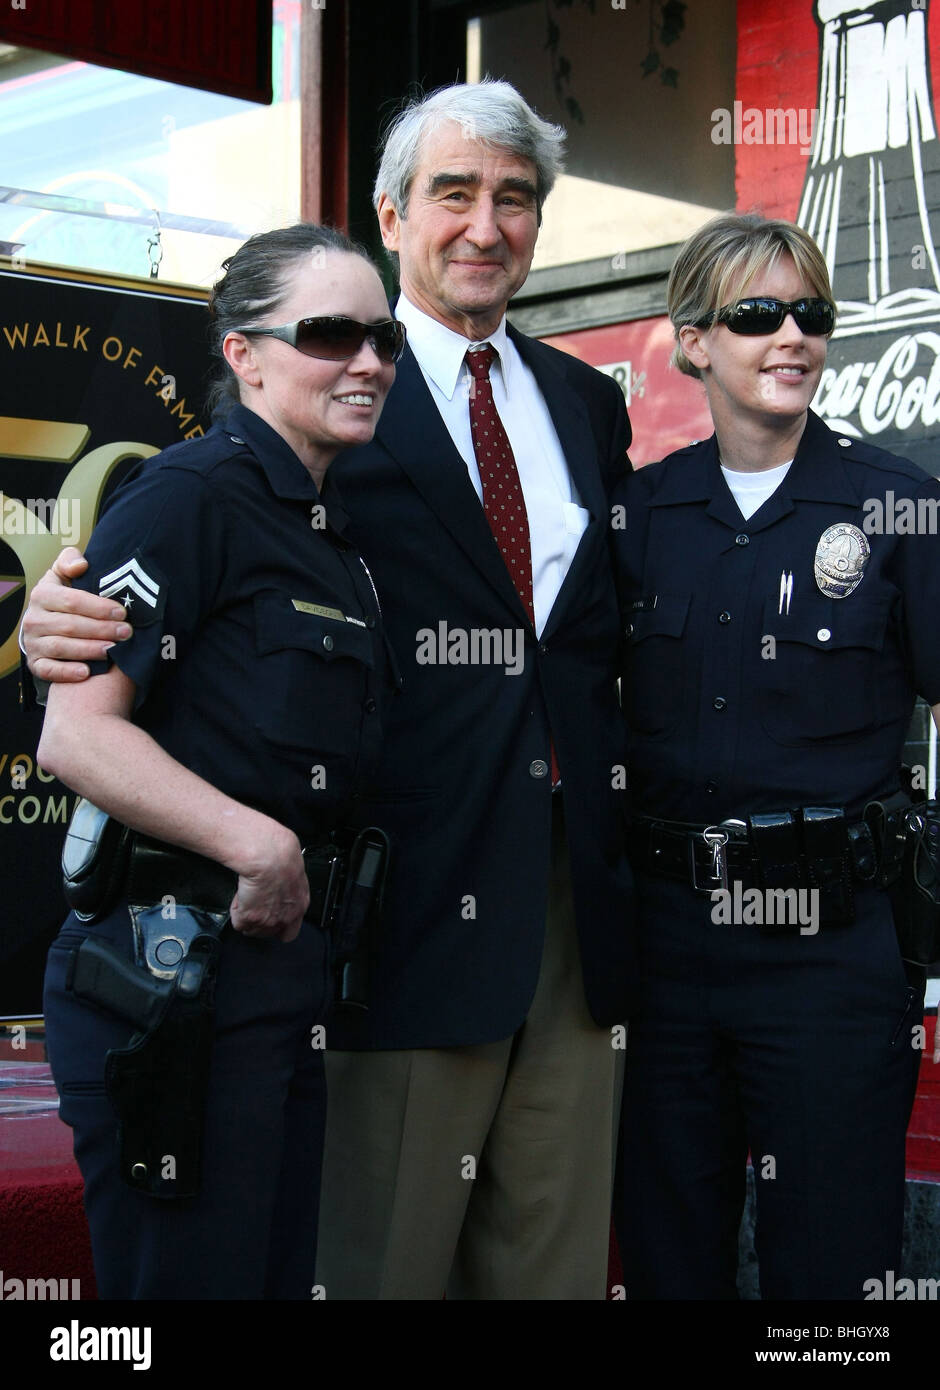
<point x="842" y="553"/>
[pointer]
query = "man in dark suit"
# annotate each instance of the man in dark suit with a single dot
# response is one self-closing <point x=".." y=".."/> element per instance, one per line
<point x="468" y="1141"/>
<point x="473" y="1108"/>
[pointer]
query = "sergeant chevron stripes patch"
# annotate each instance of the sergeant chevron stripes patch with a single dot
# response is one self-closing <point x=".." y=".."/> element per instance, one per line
<point x="129" y="582"/>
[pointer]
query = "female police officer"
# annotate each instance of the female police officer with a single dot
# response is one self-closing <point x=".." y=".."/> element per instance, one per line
<point x="776" y="641"/>
<point x="229" y="731"/>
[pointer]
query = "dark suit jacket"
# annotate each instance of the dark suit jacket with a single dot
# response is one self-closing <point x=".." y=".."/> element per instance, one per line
<point x="462" y="933"/>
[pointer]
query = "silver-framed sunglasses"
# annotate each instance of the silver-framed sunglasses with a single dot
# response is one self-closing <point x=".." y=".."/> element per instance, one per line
<point x="334" y="338"/>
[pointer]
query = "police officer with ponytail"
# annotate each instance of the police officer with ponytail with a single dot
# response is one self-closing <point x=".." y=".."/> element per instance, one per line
<point x="222" y="744"/>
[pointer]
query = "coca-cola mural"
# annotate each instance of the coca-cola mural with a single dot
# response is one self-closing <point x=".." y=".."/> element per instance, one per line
<point x="869" y="194"/>
<point x="833" y="125"/>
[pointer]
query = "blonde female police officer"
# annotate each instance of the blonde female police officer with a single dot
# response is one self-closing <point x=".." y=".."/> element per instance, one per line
<point x="235" y="724"/>
<point x="776" y="642"/>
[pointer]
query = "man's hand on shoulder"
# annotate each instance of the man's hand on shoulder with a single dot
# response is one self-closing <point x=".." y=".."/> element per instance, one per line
<point x="65" y="627"/>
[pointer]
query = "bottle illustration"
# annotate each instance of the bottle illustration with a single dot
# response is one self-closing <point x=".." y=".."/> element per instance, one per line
<point x="871" y="199"/>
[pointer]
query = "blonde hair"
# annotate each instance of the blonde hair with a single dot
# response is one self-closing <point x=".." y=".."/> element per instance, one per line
<point x="723" y="257"/>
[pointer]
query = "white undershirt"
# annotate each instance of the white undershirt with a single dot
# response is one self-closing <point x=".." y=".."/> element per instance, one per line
<point x="751" y="490"/>
<point x="557" y="520"/>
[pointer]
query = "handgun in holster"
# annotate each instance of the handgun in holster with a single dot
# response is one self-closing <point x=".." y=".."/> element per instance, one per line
<point x="158" y="1083"/>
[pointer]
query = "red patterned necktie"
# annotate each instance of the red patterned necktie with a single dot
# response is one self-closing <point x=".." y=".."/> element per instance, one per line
<point x="503" y="502"/>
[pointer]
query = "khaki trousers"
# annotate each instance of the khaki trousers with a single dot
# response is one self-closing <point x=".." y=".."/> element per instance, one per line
<point x="484" y="1171"/>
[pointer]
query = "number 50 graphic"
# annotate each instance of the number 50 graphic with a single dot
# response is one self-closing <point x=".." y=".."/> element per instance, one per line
<point x="36" y="539"/>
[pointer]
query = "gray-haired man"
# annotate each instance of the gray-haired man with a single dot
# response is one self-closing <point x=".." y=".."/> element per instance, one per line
<point x="469" y="1141"/>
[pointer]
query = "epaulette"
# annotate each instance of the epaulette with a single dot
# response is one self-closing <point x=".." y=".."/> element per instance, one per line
<point x="863" y="451"/>
<point x="203" y="454"/>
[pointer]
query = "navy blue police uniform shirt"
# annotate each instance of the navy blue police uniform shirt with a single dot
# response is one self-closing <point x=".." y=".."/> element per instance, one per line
<point x="745" y="687"/>
<point x="258" y="655"/>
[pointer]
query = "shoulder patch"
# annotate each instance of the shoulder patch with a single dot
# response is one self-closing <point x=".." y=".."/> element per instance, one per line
<point x="142" y="591"/>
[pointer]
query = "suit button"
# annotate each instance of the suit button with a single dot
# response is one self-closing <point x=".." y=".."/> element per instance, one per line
<point x="711" y="786"/>
<point x="328" y="643"/>
<point x="369" y="706"/>
<point x="742" y="539"/>
<point x="724" y="617"/>
<point x="628" y="630"/>
<point x="538" y="768"/>
<point x="370" y="622"/>
<point x="719" y="702"/>
<point x="543" y="649"/>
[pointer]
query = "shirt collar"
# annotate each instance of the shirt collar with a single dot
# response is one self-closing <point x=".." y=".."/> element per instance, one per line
<point x="440" y="352"/>
<point x="818" y="472"/>
<point x="283" y="469"/>
<point x="286" y="475"/>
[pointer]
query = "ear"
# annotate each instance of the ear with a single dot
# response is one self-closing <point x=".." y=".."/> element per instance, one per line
<point x="692" y="340"/>
<point x="389" y="222"/>
<point x="239" y="353"/>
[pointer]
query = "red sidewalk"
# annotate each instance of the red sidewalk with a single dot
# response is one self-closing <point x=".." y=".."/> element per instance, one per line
<point x="43" y="1234"/>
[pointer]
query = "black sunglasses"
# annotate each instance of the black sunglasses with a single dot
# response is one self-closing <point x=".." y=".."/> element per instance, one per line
<point x="336" y="339"/>
<point x="753" y="317"/>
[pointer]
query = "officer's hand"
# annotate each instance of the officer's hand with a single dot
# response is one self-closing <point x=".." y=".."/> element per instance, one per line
<point x="272" y="898"/>
<point x="65" y="627"/>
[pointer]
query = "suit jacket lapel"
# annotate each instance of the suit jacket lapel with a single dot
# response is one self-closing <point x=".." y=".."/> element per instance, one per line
<point x="412" y="431"/>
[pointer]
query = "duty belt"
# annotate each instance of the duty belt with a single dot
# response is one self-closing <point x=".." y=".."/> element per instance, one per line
<point x="811" y="847"/>
<point x="103" y="861"/>
<point x="345" y="872"/>
<point x="156" y="871"/>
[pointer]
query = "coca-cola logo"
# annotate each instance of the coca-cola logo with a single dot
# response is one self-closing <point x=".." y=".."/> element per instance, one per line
<point x="899" y="391"/>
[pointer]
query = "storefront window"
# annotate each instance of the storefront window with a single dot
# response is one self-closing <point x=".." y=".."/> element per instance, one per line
<point x="105" y="170"/>
<point x="644" y="168"/>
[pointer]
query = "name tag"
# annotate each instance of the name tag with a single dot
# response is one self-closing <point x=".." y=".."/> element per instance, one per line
<point x="318" y="610"/>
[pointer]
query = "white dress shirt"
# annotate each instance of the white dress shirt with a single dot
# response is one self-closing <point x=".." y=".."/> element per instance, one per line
<point x="557" y="520"/>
